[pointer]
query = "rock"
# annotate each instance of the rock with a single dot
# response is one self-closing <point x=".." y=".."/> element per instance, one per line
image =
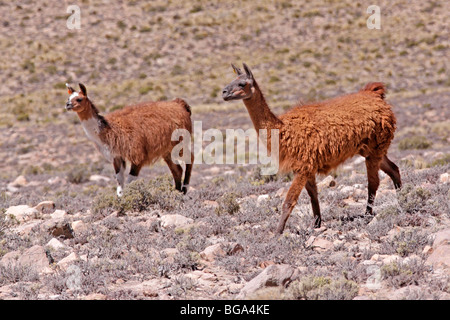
<point x="99" y="178"/>
<point x="281" y="193"/>
<point x="213" y="251"/>
<point x="262" y="198"/>
<point x="348" y="190"/>
<point x="21" y="213"/>
<point x="266" y="263"/>
<point x="440" y="257"/>
<point x="78" y="227"/>
<point x="386" y="259"/>
<point x="64" y="263"/>
<point x="444" y="178"/>
<point x="34" y="258"/>
<point x="322" y="245"/>
<point x="55" y="244"/>
<point x="45" y="207"/>
<point x="175" y="220"/>
<point x="442" y="238"/>
<point x="25" y="228"/>
<point x="20" y="181"/>
<point x="440" y="253"/>
<point x="326" y="183"/>
<point x="319" y="244"/>
<point x="273" y="275"/>
<point x="58" y="214"/>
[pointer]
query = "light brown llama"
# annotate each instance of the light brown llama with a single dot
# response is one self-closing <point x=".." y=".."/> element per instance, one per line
<point x="317" y="137"/>
<point x="140" y="134"/>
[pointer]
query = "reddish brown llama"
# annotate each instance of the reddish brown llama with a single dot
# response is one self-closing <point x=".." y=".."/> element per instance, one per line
<point x="317" y="137"/>
<point x="139" y="134"/>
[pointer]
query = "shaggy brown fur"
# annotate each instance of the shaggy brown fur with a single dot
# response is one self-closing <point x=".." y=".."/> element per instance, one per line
<point x="317" y="137"/>
<point x="139" y="133"/>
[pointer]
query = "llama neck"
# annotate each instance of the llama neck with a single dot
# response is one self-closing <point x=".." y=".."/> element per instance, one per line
<point x="259" y="111"/>
<point x="94" y="126"/>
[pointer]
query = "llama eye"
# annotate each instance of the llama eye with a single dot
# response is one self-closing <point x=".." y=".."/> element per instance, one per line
<point x="79" y="99"/>
<point x="242" y="84"/>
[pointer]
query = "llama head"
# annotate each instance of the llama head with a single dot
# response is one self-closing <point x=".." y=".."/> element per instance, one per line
<point x="240" y="88"/>
<point x="78" y="101"/>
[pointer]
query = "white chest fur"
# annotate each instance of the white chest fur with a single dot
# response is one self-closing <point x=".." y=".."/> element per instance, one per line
<point x="92" y="129"/>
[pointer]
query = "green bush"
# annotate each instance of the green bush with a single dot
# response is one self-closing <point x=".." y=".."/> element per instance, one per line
<point x="323" y="288"/>
<point x="414" y="142"/>
<point x="228" y="203"/>
<point x="413" y="199"/>
<point x="139" y="195"/>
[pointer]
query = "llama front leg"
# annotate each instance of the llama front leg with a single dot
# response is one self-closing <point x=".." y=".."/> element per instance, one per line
<point x="291" y="200"/>
<point x="119" y="168"/>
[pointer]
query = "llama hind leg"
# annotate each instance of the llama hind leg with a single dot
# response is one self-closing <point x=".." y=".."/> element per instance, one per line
<point x="291" y="200"/>
<point x="176" y="170"/>
<point x="311" y="187"/>
<point x="119" y="168"/>
<point x="372" y="165"/>
<point x="392" y="171"/>
<point x="134" y="172"/>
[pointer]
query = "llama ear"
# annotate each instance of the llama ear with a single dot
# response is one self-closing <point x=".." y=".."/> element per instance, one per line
<point x="236" y="70"/>
<point x="248" y="71"/>
<point x="83" y="89"/>
<point x="69" y="89"/>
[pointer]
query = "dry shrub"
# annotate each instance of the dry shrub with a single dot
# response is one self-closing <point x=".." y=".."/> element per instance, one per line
<point x="323" y="288"/>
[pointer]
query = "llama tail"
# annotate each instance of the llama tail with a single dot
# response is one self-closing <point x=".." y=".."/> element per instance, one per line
<point x="185" y="104"/>
<point x="376" y="87"/>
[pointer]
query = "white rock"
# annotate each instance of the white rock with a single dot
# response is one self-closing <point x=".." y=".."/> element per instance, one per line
<point x="45" y="206"/>
<point x="34" y="258"/>
<point x="67" y="261"/>
<point x="175" y="220"/>
<point x="21" y="213"/>
<point x="211" y="252"/>
<point x="262" y="198"/>
<point x="56" y="244"/>
<point x="273" y="275"/>
<point x="78" y="226"/>
<point x="444" y="178"/>
<point x="58" y="214"/>
<point x="326" y="183"/>
<point x="19" y="182"/>
<point x="98" y="178"/>
<point x="347" y="189"/>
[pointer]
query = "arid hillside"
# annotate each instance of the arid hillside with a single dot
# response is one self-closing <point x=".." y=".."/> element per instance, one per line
<point x="65" y="235"/>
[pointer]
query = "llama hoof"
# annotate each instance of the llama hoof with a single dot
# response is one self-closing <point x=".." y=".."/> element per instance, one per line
<point x="317" y="223"/>
<point x="119" y="192"/>
<point x="185" y="188"/>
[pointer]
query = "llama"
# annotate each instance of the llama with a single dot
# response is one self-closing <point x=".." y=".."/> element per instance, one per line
<point x="139" y="134"/>
<point x="317" y="137"/>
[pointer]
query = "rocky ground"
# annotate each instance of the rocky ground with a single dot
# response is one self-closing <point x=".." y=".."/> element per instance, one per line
<point x="64" y="234"/>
